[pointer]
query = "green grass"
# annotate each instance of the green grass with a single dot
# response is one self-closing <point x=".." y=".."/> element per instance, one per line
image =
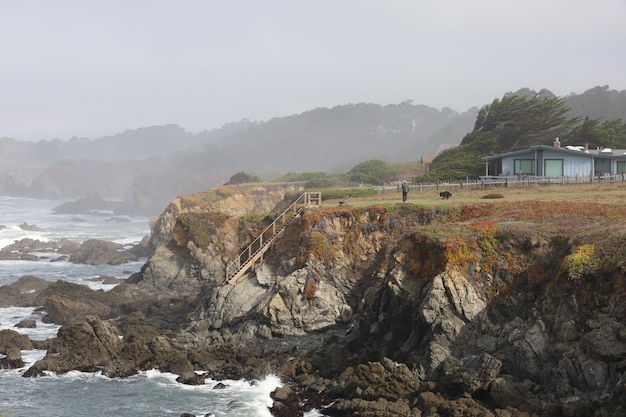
<point x="614" y="193"/>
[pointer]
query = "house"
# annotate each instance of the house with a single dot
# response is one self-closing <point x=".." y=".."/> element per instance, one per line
<point x="427" y="160"/>
<point x="555" y="161"/>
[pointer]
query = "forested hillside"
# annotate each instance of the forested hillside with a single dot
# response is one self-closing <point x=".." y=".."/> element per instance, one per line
<point x="526" y="118"/>
<point x="154" y="164"/>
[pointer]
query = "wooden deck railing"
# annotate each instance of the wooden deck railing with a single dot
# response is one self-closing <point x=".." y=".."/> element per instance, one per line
<point x="255" y="250"/>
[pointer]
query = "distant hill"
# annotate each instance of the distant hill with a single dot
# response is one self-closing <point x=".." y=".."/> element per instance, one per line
<point x="338" y="138"/>
<point x="154" y="164"/>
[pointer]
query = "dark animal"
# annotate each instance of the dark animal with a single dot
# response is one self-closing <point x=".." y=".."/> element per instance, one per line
<point x="445" y="195"/>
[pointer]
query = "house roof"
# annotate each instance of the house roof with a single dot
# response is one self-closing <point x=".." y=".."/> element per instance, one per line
<point x="574" y="151"/>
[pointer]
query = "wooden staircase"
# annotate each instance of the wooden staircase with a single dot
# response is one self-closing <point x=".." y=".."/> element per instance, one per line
<point x="255" y="250"/>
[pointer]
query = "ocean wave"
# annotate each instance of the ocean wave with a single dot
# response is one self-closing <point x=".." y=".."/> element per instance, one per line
<point x="10" y="316"/>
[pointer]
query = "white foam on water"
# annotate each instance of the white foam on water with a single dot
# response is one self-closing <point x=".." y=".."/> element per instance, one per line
<point x="150" y="393"/>
<point x="10" y="316"/>
<point x="236" y="398"/>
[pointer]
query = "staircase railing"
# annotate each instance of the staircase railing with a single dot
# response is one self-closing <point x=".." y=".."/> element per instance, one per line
<point x="255" y="250"/>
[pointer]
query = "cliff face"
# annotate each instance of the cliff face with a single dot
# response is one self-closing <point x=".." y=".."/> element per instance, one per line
<point x="196" y="233"/>
<point x="494" y="309"/>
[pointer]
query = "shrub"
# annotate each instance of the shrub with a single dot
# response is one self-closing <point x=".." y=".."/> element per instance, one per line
<point x="579" y="262"/>
<point x="201" y="227"/>
<point x="492" y="195"/>
<point x="242" y="177"/>
<point x="374" y="171"/>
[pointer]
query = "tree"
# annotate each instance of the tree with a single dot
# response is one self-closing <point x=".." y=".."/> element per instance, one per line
<point x="594" y="133"/>
<point x="520" y="122"/>
<point x="512" y="123"/>
<point x="374" y="171"/>
<point x="242" y="178"/>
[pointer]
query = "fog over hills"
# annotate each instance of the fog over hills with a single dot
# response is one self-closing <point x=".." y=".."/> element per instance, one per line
<point x="152" y="165"/>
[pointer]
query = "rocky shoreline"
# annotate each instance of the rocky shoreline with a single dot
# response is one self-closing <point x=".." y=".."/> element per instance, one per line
<point x="379" y="311"/>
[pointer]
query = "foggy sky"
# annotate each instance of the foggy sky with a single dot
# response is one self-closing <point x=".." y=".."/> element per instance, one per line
<point x="91" y="68"/>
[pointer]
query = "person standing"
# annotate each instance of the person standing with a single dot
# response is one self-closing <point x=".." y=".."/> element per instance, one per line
<point x="405" y="190"/>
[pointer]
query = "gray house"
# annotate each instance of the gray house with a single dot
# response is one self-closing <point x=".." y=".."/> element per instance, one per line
<point x="554" y="161"/>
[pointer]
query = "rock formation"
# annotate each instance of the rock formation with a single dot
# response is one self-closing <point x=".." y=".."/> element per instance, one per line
<point x="494" y="309"/>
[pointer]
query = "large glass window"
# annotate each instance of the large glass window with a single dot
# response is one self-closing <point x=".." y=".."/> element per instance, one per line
<point x="621" y="167"/>
<point x="554" y="168"/>
<point x="524" y="166"/>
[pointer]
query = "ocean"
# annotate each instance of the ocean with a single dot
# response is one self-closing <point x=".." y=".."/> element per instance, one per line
<point x="76" y="394"/>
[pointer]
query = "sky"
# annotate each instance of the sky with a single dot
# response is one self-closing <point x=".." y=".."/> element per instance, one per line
<point x="92" y="68"/>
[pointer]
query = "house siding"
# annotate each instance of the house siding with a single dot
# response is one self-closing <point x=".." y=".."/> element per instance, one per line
<point x="574" y="163"/>
<point x="508" y="163"/>
<point x="603" y="166"/>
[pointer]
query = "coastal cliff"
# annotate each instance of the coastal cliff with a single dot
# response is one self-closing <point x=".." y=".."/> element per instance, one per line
<point x="489" y="309"/>
<point x="507" y="306"/>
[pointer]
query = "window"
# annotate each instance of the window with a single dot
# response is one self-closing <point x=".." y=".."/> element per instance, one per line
<point x="524" y="166"/>
<point x="553" y="168"/>
<point x="621" y="167"/>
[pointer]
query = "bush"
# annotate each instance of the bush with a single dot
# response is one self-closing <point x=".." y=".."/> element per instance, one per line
<point x="242" y="178"/>
<point x="578" y="263"/>
<point x="374" y="171"/>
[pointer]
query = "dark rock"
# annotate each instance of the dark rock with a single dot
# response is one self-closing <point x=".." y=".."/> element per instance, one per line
<point x="62" y="309"/>
<point x="143" y="248"/>
<point x="86" y="205"/>
<point x="14" y="353"/>
<point x="106" y="280"/>
<point x="13" y="359"/>
<point x="504" y="392"/>
<point x="380" y="407"/>
<point x="28" y="245"/>
<point x="85" y="346"/>
<point x="220" y="385"/>
<point x="12" y="339"/>
<point x="66" y="247"/>
<point x="30" y="227"/>
<point x="118" y="219"/>
<point x="294" y="400"/>
<point x="470" y="374"/>
<point x="135" y="327"/>
<point x="99" y="252"/>
<point x="26" y="324"/>
<point x="67" y="302"/>
<point x="191" y="378"/>
<point x="131" y="358"/>
<point x="23" y="292"/>
<point x="41" y="344"/>
<point x="374" y="380"/>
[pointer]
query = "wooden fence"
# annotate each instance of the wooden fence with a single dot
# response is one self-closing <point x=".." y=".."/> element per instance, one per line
<point x="501" y="182"/>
